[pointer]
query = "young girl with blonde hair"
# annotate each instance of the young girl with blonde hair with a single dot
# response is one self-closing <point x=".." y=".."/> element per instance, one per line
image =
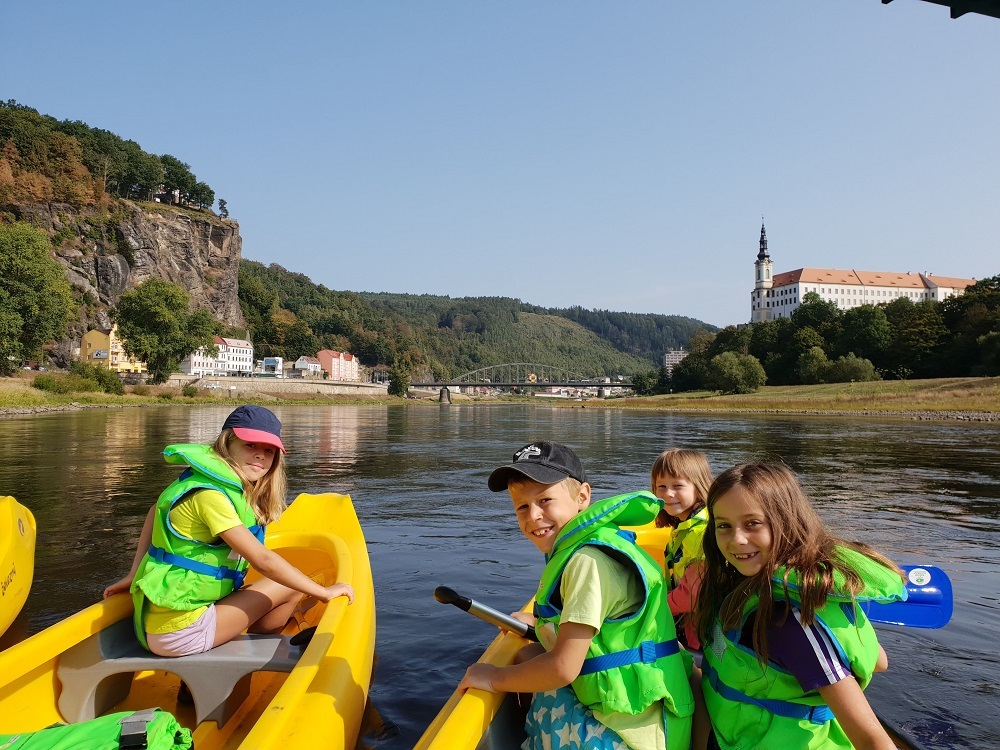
<point x="680" y="479"/>
<point x="198" y="539"/>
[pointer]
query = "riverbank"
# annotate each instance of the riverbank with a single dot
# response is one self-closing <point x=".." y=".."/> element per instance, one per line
<point x="18" y="398"/>
<point x="969" y="399"/>
<point x="965" y="399"/>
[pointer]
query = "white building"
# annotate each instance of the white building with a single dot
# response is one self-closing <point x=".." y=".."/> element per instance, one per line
<point x="235" y="356"/>
<point x="779" y="295"/>
<point x="226" y="357"/>
<point x="673" y="357"/>
<point x="307" y="367"/>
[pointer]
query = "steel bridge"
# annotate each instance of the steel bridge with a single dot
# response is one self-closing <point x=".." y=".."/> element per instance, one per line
<point x="519" y="375"/>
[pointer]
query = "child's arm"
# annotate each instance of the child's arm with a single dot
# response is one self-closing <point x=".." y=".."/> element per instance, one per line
<point x="681" y="599"/>
<point x="272" y="565"/>
<point x="553" y="669"/>
<point x="145" y="537"/>
<point x="849" y="705"/>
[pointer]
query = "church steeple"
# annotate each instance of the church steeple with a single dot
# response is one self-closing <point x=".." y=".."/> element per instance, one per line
<point x="762" y="255"/>
<point x="760" y="297"/>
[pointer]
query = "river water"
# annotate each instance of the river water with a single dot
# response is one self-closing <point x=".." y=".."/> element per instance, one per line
<point x="924" y="492"/>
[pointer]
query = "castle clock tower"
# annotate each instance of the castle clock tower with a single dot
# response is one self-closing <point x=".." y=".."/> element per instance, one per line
<point x="759" y="297"/>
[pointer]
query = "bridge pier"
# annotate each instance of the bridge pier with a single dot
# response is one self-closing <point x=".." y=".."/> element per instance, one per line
<point x="445" y="395"/>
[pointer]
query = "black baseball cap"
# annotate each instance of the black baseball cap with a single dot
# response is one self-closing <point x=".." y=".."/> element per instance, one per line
<point x="542" y="462"/>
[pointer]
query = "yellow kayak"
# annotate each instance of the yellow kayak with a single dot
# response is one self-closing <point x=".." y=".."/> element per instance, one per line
<point x="17" y="558"/>
<point x="291" y="695"/>
<point x="479" y="720"/>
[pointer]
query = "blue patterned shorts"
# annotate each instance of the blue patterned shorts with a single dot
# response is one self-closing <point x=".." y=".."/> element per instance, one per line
<point x="558" y="721"/>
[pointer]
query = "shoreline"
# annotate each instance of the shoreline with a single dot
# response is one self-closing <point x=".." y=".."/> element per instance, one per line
<point x="918" y="415"/>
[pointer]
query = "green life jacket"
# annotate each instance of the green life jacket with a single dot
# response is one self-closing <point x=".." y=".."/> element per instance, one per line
<point x="182" y="573"/>
<point x="685" y="545"/>
<point x="764" y="707"/>
<point x="130" y="730"/>
<point x="635" y="660"/>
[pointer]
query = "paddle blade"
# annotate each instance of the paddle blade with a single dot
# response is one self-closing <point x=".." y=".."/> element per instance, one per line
<point x="929" y="602"/>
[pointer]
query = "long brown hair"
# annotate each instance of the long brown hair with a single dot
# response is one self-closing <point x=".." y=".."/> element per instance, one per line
<point x="266" y="496"/>
<point x="683" y="464"/>
<point x="799" y="542"/>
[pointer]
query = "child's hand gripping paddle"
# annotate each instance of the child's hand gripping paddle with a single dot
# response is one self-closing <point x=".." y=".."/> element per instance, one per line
<point x="446" y="595"/>
<point x="929" y="602"/>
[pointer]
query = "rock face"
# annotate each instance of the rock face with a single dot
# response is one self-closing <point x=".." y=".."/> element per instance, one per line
<point x="106" y="255"/>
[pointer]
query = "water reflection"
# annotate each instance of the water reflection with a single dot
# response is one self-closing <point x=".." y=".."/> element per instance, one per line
<point x="922" y="492"/>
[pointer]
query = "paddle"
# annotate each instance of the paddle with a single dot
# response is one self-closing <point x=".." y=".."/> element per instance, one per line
<point x="446" y="595"/>
<point x="929" y="602"/>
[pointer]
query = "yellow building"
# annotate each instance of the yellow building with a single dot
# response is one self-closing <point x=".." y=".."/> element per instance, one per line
<point x="103" y="348"/>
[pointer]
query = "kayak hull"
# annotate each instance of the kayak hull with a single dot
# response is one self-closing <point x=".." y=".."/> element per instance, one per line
<point x="319" y="703"/>
<point x="17" y="558"/>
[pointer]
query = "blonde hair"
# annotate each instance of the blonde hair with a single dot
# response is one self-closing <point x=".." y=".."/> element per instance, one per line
<point x="572" y="485"/>
<point x="683" y="464"/>
<point x="266" y="496"/>
<point x="799" y="542"/>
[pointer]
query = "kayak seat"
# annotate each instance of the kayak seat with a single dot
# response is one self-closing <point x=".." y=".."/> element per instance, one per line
<point x="96" y="674"/>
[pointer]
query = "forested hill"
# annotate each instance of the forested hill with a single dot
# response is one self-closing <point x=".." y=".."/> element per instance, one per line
<point x="444" y="336"/>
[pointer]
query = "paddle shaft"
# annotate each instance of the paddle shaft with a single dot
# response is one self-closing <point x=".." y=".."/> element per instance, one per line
<point x="446" y="595"/>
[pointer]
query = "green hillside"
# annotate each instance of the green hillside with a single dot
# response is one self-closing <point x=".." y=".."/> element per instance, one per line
<point x="441" y="336"/>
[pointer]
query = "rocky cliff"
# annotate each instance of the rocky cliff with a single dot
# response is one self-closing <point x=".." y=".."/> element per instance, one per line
<point x="105" y="254"/>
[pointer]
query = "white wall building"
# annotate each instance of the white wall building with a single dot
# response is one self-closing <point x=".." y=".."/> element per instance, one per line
<point x="673" y="357"/>
<point x="227" y="357"/>
<point x="779" y="295"/>
<point x="308" y="367"/>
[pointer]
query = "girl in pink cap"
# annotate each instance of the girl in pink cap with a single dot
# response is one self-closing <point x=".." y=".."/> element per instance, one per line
<point x="203" y="533"/>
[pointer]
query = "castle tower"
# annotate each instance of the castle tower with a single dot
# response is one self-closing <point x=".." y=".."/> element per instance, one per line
<point x="763" y="282"/>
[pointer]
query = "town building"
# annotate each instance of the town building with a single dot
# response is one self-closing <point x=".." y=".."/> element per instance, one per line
<point x="307" y="367"/>
<point x="779" y="295"/>
<point x="225" y="357"/>
<point x="339" y="365"/>
<point x="673" y="357"/>
<point x="103" y="347"/>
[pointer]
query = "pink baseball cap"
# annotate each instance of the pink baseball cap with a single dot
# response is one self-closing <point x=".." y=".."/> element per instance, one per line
<point x="255" y="424"/>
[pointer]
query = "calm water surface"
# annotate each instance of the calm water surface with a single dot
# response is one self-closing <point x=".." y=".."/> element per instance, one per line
<point x="923" y="492"/>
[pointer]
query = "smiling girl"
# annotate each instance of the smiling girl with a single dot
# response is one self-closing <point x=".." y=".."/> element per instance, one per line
<point x="681" y="478"/>
<point x="788" y="649"/>
<point x="198" y="539"/>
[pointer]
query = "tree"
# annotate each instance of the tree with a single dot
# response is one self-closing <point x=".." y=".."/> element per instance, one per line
<point x="36" y="301"/>
<point x="202" y="195"/>
<point x="177" y="176"/>
<point x="850" y="369"/>
<point x="223" y="208"/>
<point x="399" y="379"/>
<point x="644" y="383"/>
<point x="736" y="373"/>
<point x="917" y="332"/>
<point x="823" y="317"/>
<point x="156" y="327"/>
<point x="866" y="332"/>
<point x="813" y="365"/>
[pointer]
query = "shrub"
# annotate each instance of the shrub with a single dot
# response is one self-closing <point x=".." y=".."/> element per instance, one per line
<point x="65" y="384"/>
<point x="108" y="381"/>
<point x="140" y="390"/>
<point x="189" y="391"/>
<point x="165" y="396"/>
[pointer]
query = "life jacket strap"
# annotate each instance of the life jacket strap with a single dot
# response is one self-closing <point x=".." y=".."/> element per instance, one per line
<point x="816" y="714"/>
<point x="646" y="652"/>
<point x="218" y="572"/>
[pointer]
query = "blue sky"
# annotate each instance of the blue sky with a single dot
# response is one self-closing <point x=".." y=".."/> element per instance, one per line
<point x="615" y="155"/>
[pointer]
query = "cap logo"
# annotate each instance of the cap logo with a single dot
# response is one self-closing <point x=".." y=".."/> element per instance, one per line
<point x="527" y="453"/>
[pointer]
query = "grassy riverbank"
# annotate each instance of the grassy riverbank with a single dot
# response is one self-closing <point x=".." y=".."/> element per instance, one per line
<point x="17" y="396"/>
<point x="945" y="397"/>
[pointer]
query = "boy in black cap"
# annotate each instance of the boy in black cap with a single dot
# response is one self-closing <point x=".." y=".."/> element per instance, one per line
<point x="608" y="672"/>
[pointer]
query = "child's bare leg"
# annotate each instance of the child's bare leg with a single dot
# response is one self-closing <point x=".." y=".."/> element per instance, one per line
<point x="701" y="724"/>
<point x="261" y="603"/>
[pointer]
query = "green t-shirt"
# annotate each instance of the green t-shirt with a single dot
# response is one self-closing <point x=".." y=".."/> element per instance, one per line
<point x="596" y="587"/>
<point x="202" y="516"/>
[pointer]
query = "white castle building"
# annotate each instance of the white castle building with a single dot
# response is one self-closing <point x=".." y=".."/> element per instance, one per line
<point x="778" y="296"/>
